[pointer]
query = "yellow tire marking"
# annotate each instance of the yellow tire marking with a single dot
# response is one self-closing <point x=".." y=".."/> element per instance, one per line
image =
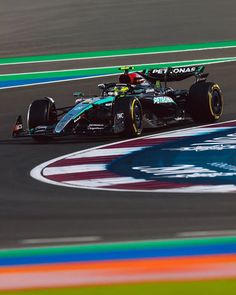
<point x="132" y="115"/>
<point x="215" y="87"/>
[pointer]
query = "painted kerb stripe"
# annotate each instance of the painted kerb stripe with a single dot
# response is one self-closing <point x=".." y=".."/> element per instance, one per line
<point x="119" y="52"/>
<point x="117" y="246"/>
<point x="108" y="70"/>
<point x="47" y="77"/>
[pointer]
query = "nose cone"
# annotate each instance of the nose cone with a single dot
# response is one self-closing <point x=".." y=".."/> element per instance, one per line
<point x="61" y="125"/>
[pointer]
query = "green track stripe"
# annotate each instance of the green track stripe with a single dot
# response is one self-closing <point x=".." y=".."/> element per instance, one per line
<point x="115" y="246"/>
<point x="216" y="287"/>
<point x="119" y="52"/>
<point x="105" y="70"/>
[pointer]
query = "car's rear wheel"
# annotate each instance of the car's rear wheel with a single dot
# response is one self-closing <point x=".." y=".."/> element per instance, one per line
<point x="41" y="112"/>
<point x="129" y="110"/>
<point x="205" y="102"/>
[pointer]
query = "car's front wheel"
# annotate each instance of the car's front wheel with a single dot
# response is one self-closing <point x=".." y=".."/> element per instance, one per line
<point x="41" y="112"/>
<point x="129" y="111"/>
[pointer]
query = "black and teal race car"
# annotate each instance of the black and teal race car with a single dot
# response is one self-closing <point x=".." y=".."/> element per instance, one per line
<point x="139" y="100"/>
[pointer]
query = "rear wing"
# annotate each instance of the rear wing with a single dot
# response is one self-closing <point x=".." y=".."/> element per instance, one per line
<point x="174" y="74"/>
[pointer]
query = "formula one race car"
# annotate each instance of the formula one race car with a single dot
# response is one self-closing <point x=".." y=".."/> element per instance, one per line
<point x="140" y="100"/>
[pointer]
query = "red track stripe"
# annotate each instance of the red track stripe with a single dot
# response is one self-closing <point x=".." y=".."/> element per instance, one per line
<point x="80" y="161"/>
<point x="81" y="176"/>
<point x="147" y="185"/>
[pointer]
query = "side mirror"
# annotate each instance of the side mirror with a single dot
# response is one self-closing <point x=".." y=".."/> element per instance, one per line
<point x="101" y="86"/>
<point x="78" y="94"/>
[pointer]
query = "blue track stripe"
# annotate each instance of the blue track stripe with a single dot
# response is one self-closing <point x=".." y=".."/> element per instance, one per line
<point x="121" y="255"/>
<point x="25" y="82"/>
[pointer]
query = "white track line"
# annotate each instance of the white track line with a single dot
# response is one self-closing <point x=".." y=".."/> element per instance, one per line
<point x="210" y="233"/>
<point x="88" y="239"/>
<point x="74" y="169"/>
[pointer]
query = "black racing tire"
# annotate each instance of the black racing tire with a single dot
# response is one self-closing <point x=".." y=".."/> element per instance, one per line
<point x="205" y="102"/>
<point x="41" y="112"/>
<point x="133" y="115"/>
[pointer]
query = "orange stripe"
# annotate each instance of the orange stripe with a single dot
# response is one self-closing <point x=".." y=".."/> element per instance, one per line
<point x="147" y="265"/>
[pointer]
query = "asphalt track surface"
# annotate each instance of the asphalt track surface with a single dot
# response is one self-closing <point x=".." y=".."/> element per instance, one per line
<point x="39" y="27"/>
<point x="31" y="209"/>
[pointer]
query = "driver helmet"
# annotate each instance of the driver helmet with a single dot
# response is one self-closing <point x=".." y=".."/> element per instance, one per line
<point x="121" y="91"/>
